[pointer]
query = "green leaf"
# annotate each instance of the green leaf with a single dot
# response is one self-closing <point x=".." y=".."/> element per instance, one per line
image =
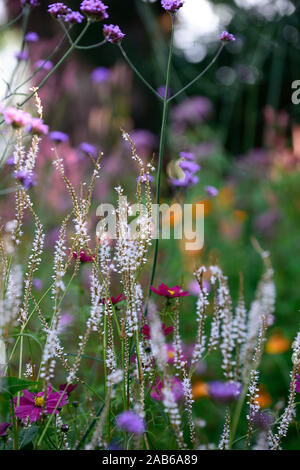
<point x="12" y="385"/>
<point x="27" y="435"/>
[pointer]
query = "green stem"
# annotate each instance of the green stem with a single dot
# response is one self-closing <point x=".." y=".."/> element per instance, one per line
<point x="67" y="53"/>
<point x="162" y="148"/>
<point x="198" y="76"/>
<point x="138" y="73"/>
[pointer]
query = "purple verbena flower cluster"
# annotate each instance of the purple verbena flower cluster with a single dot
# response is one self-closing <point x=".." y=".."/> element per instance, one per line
<point x="226" y="37"/>
<point x="188" y="168"/>
<point x="172" y="5"/>
<point x="58" y="10"/>
<point x="113" y="33"/>
<point x="131" y="422"/>
<point x="32" y="3"/>
<point x="94" y="9"/>
<point x="26" y="178"/>
<point x="74" y="17"/>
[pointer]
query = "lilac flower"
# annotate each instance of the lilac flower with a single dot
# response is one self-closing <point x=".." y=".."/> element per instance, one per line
<point x="38" y="127"/>
<point x="162" y="91"/>
<point x="26" y="179"/>
<point x="131" y="422"/>
<point x="211" y="191"/>
<point x="73" y="17"/>
<point x="225" y="392"/>
<point x="113" y="33"/>
<point x="189" y="166"/>
<point x="144" y="140"/>
<point x="226" y="37"/>
<point x="22" y="55"/>
<point x="172" y="5"/>
<point x="100" y="74"/>
<point x="188" y="180"/>
<point x="143" y="179"/>
<point x="65" y="320"/>
<point x="191" y="111"/>
<point x="31" y="36"/>
<point x="187" y="155"/>
<point x="88" y="148"/>
<point x="58" y="10"/>
<point x="32" y="3"/>
<point x="263" y="420"/>
<point x="3" y="429"/>
<point x="44" y="64"/>
<point x="10" y="161"/>
<point x="37" y="284"/>
<point x="94" y="9"/>
<point x="16" y="117"/>
<point x="58" y="136"/>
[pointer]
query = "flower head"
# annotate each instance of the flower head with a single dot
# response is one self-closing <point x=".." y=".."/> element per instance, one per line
<point x="25" y="178"/>
<point x="58" y="136"/>
<point x="83" y="256"/>
<point x="100" y="74"/>
<point x="94" y="9"/>
<point x="38" y="127"/>
<point x="211" y="191"/>
<point x="22" y="55"/>
<point x="185" y="170"/>
<point x="44" y="64"/>
<point x="224" y="392"/>
<point x="16" y="117"/>
<point x="172" y="5"/>
<point x="88" y="148"/>
<point x="226" y="37"/>
<point x="67" y="388"/>
<point x="176" y="388"/>
<point x="32" y="3"/>
<point x="33" y="405"/>
<point x="113" y="33"/>
<point x="3" y="429"/>
<point x="147" y="332"/>
<point x="170" y="292"/>
<point x="131" y="422"/>
<point x="114" y="300"/>
<point x="73" y="17"/>
<point x="58" y="10"/>
<point x="31" y="36"/>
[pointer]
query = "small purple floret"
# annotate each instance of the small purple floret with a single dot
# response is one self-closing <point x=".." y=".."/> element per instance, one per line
<point x="113" y="33"/>
<point x="58" y="10"/>
<point x="131" y="422"/>
<point x="226" y="37"/>
<point x="58" y="136"/>
<point x="94" y="9"/>
<point x="31" y="36"/>
<point x="172" y="5"/>
<point x="74" y="17"/>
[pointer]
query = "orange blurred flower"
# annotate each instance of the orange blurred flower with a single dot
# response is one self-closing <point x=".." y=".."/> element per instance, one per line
<point x="264" y="399"/>
<point x="200" y="390"/>
<point x="226" y="197"/>
<point x="277" y="344"/>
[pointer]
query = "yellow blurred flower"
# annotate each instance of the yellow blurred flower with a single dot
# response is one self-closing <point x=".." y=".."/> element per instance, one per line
<point x="200" y="390"/>
<point x="277" y="344"/>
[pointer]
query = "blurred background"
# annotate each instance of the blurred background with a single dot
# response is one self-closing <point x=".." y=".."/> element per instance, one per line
<point x="238" y="120"/>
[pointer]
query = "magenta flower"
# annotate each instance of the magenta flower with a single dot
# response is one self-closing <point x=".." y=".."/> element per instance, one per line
<point x="176" y="388"/>
<point x="69" y="388"/>
<point x="113" y="33"/>
<point x="94" y="9"/>
<point x="172" y="5"/>
<point x="3" y="428"/>
<point x="147" y="332"/>
<point x="73" y="17"/>
<point x="298" y="383"/>
<point x="226" y="37"/>
<point x="170" y="292"/>
<point x="16" y="117"/>
<point x="38" y="127"/>
<point x="33" y="405"/>
<point x="83" y="256"/>
<point x="131" y="422"/>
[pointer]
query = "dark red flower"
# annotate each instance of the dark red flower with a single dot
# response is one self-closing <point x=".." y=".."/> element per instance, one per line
<point x="83" y="256"/>
<point x="115" y="300"/>
<point x="69" y="388"/>
<point x="166" y="330"/>
<point x="170" y="292"/>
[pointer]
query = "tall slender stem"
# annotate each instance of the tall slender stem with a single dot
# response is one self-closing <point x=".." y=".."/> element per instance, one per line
<point x="66" y="54"/>
<point x="162" y="147"/>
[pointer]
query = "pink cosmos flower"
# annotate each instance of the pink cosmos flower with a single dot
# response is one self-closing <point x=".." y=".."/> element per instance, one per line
<point x="170" y="292"/>
<point x="147" y="332"/>
<point x="32" y="405"/>
<point x="16" y="117"/>
<point x="176" y="387"/>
